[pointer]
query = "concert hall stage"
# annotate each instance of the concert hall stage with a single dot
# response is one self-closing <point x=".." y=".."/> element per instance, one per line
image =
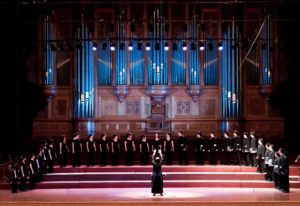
<point x="130" y="185"/>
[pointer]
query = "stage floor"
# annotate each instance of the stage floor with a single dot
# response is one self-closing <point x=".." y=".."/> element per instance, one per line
<point x="143" y="196"/>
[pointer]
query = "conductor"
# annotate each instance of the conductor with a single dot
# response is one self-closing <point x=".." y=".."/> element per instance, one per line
<point x="157" y="176"/>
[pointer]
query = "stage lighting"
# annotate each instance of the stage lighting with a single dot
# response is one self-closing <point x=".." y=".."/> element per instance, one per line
<point x="220" y="46"/>
<point x="122" y="46"/>
<point x="148" y="46"/>
<point x="193" y="46"/>
<point x="175" y="47"/>
<point x="112" y="47"/>
<point x="166" y="47"/>
<point x="139" y="46"/>
<point x="201" y="46"/>
<point x="95" y="45"/>
<point x="130" y="47"/>
<point x="157" y="47"/>
<point x="184" y="46"/>
<point x="104" y="45"/>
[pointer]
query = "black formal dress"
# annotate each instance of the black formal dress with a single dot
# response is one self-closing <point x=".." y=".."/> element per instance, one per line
<point x="237" y="147"/>
<point x="213" y="147"/>
<point x="23" y="176"/>
<point x="228" y="148"/>
<point x="284" y="184"/>
<point x="32" y="172"/>
<point x="200" y="149"/>
<point x="77" y="152"/>
<point x="144" y="152"/>
<point x="246" y="147"/>
<point x="260" y="158"/>
<point x="103" y="144"/>
<point x="182" y="147"/>
<point x="168" y="152"/>
<point x="129" y="153"/>
<point x="52" y="157"/>
<point x="156" y="145"/>
<point x="63" y="155"/>
<point x="14" y="179"/>
<point x="253" y="151"/>
<point x="116" y="153"/>
<point x="91" y="153"/>
<point x="157" y="177"/>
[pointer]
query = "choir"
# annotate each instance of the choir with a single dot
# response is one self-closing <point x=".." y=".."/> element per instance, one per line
<point x="227" y="148"/>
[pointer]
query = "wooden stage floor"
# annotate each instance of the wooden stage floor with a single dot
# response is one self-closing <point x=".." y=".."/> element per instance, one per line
<point x="143" y="196"/>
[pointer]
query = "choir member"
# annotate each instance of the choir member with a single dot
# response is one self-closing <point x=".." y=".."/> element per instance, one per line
<point x="182" y="147"/>
<point x="52" y="156"/>
<point x="200" y="149"/>
<point x="156" y="143"/>
<point x="14" y="177"/>
<point x="129" y="146"/>
<point x="237" y="148"/>
<point x="23" y="174"/>
<point x="267" y="153"/>
<point x="253" y="149"/>
<point x="63" y="151"/>
<point x="276" y="171"/>
<point x="76" y="149"/>
<point x="104" y="148"/>
<point x="227" y="147"/>
<point x="40" y="163"/>
<point x="91" y="149"/>
<point x="271" y="158"/>
<point x="46" y="156"/>
<point x="168" y="148"/>
<point x="157" y="176"/>
<point x="246" y="147"/>
<point x="115" y="149"/>
<point x="32" y="172"/>
<point x="144" y="150"/>
<point x="283" y="169"/>
<point x="213" y="148"/>
<point x="260" y="156"/>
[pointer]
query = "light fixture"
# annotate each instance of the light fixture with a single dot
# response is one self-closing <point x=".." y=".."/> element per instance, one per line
<point x="184" y="46"/>
<point x="112" y="47"/>
<point x="130" y="46"/>
<point x="148" y="46"/>
<point x="166" y="47"/>
<point x="95" y="45"/>
<point x="220" y="46"/>
<point x="201" y="46"/>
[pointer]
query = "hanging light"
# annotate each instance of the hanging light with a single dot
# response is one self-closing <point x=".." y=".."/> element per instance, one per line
<point x="166" y="47"/>
<point x="201" y="46"/>
<point x="184" y="46"/>
<point x="95" y="45"/>
<point x="130" y="46"/>
<point x="220" y="46"/>
<point x="148" y="46"/>
<point x="112" y="47"/>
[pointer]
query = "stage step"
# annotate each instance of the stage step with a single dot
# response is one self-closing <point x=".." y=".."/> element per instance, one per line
<point x="175" y="176"/>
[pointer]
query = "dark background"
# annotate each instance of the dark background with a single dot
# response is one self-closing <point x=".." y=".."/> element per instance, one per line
<point x="22" y="99"/>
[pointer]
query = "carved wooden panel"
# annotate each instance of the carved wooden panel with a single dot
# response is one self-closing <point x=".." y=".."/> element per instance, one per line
<point x="60" y="107"/>
<point x="207" y="107"/>
<point x="183" y="107"/>
<point x="251" y="27"/>
<point x="256" y="106"/>
<point x="272" y="112"/>
<point x="133" y="107"/>
<point x="108" y="108"/>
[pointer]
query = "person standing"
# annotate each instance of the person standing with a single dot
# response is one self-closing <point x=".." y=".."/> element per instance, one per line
<point x="200" y="149"/>
<point x="227" y="148"/>
<point x="129" y="148"/>
<point x="23" y="174"/>
<point x="14" y="177"/>
<point x="156" y="143"/>
<point x="237" y="148"/>
<point x="271" y="159"/>
<point x="213" y="148"/>
<point x="182" y="147"/>
<point x="253" y="149"/>
<point x="76" y="149"/>
<point x="52" y="156"/>
<point x="115" y="150"/>
<point x="32" y="172"/>
<point x="63" y="151"/>
<point x="157" y="176"/>
<point x="91" y="149"/>
<point x="144" y="150"/>
<point x="246" y="147"/>
<point x="168" y="148"/>
<point x="104" y="148"/>
<point x="283" y="169"/>
<point x="260" y="156"/>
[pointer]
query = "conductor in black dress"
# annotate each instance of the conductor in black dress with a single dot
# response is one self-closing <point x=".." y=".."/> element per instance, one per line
<point x="157" y="176"/>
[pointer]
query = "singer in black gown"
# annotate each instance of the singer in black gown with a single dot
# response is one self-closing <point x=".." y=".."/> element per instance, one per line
<point x="157" y="177"/>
